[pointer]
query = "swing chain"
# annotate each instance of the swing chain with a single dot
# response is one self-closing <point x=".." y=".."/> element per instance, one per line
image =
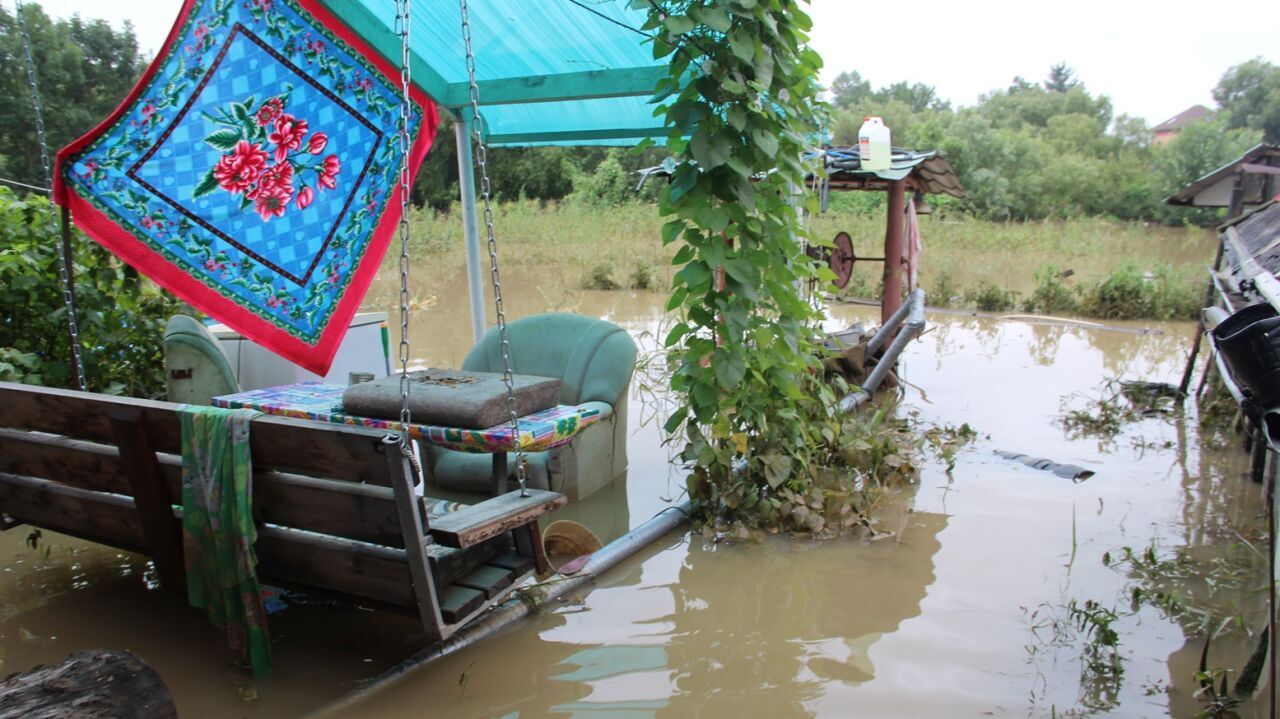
<point x="64" y="273"/>
<point x="406" y="110"/>
<point x="482" y="160"/>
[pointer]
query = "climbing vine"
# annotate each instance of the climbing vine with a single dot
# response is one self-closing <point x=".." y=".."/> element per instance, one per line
<point x="760" y="432"/>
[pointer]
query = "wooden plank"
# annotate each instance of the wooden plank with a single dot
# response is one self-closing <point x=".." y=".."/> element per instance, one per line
<point x="95" y="516"/>
<point x="529" y="543"/>
<point x="457" y="602"/>
<point x="151" y="498"/>
<point x="447" y="563"/>
<point x="340" y="567"/>
<point x="495" y="516"/>
<point x="87" y="465"/>
<point x="514" y="563"/>
<point x="411" y="521"/>
<point x="291" y="445"/>
<point x="345" y="509"/>
<point x="487" y="578"/>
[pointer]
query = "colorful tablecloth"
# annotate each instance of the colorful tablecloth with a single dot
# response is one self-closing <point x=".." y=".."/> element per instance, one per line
<point x="254" y="170"/>
<point x="323" y="402"/>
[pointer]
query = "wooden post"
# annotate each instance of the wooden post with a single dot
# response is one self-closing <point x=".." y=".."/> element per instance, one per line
<point x="150" y="496"/>
<point x="891" y="298"/>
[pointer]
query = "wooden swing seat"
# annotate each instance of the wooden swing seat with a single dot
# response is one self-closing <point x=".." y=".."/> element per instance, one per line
<point x="335" y="505"/>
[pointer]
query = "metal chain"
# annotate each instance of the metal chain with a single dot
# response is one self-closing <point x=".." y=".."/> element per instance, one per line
<point x="482" y="160"/>
<point x="406" y="111"/>
<point x="68" y="292"/>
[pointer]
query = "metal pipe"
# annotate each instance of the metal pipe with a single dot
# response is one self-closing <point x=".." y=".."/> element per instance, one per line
<point x="888" y="328"/>
<point x="507" y="615"/>
<point x="462" y="129"/>
<point x="912" y="329"/>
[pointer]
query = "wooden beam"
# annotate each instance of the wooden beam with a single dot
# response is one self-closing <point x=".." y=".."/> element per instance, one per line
<point x="585" y="85"/>
<point x="151" y="497"/>
<point x="95" y="516"/>
<point x="474" y="524"/>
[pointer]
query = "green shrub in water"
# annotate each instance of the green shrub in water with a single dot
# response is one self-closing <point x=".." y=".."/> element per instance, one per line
<point x="641" y="278"/>
<point x="943" y="293"/>
<point x="1130" y="293"/>
<point x="990" y="298"/>
<point x="1051" y="295"/>
<point x="121" y="316"/>
<point x="600" y="278"/>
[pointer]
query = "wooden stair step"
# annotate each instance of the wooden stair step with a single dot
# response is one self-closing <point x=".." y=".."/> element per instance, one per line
<point x="517" y="564"/>
<point x="488" y="579"/>
<point x="457" y="602"/>
<point x="492" y="517"/>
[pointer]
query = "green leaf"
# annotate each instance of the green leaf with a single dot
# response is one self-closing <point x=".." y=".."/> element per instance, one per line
<point x="743" y="45"/>
<point x="730" y="367"/>
<point x="224" y="139"/>
<point x="675" y="420"/>
<point x="695" y="275"/>
<point x="207" y="184"/>
<point x="765" y="142"/>
<point x="670" y="232"/>
<point x="714" y="17"/>
<point x="679" y="24"/>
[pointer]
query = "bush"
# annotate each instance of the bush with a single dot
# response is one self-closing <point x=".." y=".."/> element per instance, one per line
<point x="1130" y="293"/>
<point x="943" y="293"/>
<point x="990" y="298"/>
<point x="1051" y="295"/>
<point x="121" y="316"/>
<point x="641" y="278"/>
<point x="600" y="278"/>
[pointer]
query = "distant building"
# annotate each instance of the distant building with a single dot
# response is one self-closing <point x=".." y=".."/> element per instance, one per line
<point x="1166" y="130"/>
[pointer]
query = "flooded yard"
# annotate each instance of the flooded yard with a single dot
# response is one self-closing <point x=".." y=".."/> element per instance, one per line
<point x="964" y="608"/>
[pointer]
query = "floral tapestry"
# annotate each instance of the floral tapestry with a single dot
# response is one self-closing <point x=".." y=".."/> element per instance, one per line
<point x="254" y="170"/>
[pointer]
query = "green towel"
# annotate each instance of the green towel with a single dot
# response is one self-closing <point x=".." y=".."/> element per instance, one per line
<point x="218" y="531"/>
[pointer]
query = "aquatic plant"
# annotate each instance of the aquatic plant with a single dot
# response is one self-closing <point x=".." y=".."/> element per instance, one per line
<point x="990" y="298"/>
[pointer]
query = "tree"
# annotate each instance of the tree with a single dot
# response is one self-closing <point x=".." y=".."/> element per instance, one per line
<point x="1250" y="92"/>
<point x="84" y="70"/>
<point x="849" y="90"/>
<point x="1061" y="78"/>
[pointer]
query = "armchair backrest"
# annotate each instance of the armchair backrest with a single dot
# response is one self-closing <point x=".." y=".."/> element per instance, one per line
<point x="593" y="358"/>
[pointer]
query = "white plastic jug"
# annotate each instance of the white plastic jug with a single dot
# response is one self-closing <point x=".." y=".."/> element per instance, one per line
<point x="873" y="144"/>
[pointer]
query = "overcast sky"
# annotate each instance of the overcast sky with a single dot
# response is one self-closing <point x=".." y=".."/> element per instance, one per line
<point x="1152" y="59"/>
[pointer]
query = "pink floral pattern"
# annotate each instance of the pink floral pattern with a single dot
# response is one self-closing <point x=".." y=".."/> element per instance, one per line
<point x="253" y="137"/>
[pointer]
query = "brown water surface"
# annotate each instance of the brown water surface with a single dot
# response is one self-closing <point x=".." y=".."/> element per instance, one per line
<point x="960" y="612"/>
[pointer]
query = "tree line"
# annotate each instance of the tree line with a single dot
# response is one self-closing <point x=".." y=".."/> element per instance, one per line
<point x="1032" y="150"/>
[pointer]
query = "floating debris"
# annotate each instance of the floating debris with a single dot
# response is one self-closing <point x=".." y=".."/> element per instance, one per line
<point x="1073" y="472"/>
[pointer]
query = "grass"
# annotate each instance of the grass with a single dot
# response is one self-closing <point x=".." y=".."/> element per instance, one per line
<point x="1089" y="267"/>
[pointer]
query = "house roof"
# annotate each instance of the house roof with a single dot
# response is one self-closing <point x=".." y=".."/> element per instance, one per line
<point x="1186" y="117"/>
<point x="1259" y="165"/>
<point x="576" y="72"/>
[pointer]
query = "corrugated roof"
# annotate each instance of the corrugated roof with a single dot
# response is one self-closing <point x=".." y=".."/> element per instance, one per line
<point x="574" y="72"/>
<point x="929" y="171"/>
<point x="1259" y="187"/>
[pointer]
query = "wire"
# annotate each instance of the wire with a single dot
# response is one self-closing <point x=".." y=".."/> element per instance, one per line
<point x="8" y="181"/>
<point x="619" y="23"/>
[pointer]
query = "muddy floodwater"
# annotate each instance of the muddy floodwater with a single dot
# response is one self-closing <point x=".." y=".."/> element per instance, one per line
<point x="962" y="609"/>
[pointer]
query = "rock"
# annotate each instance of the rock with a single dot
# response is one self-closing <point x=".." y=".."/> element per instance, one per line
<point x="93" y="684"/>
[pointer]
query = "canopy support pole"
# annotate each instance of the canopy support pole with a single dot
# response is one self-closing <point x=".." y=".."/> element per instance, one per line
<point x="891" y="298"/>
<point x="467" y="184"/>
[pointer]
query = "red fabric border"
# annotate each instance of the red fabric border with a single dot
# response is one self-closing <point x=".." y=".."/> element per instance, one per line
<point x="315" y="358"/>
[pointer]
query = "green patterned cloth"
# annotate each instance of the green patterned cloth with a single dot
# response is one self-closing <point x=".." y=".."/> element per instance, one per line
<point x="218" y="531"/>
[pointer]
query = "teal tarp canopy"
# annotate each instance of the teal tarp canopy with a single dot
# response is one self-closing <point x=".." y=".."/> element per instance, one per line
<point x="563" y="72"/>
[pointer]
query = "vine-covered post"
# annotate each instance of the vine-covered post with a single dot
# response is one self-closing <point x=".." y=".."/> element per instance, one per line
<point x="760" y="434"/>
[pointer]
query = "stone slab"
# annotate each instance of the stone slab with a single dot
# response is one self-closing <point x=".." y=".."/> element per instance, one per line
<point x="452" y="398"/>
